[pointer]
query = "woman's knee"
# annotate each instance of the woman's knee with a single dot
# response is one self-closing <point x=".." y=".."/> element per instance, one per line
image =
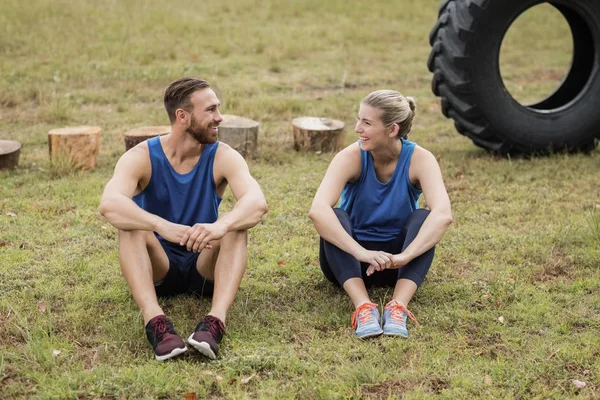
<point x="344" y="219"/>
<point x="417" y="217"/>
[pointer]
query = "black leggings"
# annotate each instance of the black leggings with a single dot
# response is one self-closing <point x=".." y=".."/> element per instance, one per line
<point x="339" y="266"/>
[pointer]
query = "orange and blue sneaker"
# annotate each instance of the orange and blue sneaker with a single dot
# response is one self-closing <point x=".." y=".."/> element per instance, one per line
<point x="365" y="320"/>
<point x="394" y="319"/>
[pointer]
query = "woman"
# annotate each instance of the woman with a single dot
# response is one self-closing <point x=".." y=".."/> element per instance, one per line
<point x="378" y="235"/>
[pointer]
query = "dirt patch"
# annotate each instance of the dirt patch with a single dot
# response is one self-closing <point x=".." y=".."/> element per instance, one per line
<point x="557" y="266"/>
<point x="387" y="389"/>
<point x="397" y="388"/>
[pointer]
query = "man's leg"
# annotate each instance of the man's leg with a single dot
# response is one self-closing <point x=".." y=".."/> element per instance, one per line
<point x="143" y="262"/>
<point x="225" y="263"/>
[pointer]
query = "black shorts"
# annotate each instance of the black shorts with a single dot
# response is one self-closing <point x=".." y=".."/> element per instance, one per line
<point x="183" y="276"/>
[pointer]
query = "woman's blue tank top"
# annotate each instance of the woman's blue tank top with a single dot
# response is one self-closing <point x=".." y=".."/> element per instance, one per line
<point x="184" y="199"/>
<point x="378" y="210"/>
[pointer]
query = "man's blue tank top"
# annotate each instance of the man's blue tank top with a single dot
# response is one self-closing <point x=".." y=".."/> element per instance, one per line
<point x="378" y="210"/>
<point x="184" y="199"/>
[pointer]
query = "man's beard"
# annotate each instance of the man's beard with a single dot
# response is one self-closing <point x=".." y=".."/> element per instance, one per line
<point x="200" y="134"/>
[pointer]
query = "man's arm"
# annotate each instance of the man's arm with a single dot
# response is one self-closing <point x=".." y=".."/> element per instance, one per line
<point x="250" y="203"/>
<point x="121" y="211"/>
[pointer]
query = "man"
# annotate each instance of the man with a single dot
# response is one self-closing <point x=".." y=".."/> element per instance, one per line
<point x="163" y="198"/>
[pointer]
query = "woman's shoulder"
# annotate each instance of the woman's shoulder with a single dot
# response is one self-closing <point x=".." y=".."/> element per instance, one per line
<point x="350" y="153"/>
<point x="421" y="160"/>
<point x="347" y="163"/>
<point x="420" y="153"/>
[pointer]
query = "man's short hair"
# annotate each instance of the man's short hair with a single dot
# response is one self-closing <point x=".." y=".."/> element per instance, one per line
<point x="178" y="95"/>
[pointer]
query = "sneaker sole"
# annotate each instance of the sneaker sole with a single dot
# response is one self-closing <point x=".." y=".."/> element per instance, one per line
<point x="395" y="334"/>
<point x="202" y="347"/>
<point x="172" y="354"/>
<point x="369" y="335"/>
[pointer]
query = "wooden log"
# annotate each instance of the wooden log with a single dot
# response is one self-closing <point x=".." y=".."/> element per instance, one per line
<point x="240" y="133"/>
<point x="78" y="144"/>
<point x="10" y="150"/>
<point x="138" y="135"/>
<point x="317" y="134"/>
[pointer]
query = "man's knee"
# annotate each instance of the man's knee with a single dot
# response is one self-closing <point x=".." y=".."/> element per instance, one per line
<point x="234" y="237"/>
<point x="133" y="236"/>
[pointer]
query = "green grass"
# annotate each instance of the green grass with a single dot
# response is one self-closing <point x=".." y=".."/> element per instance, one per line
<point x="525" y="245"/>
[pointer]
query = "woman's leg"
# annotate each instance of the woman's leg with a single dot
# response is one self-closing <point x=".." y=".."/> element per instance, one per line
<point x="412" y="274"/>
<point x="342" y="268"/>
<point x="409" y="278"/>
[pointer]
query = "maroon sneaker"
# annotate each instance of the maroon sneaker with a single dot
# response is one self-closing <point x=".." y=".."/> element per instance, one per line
<point x="163" y="338"/>
<point x="207" y="336"/>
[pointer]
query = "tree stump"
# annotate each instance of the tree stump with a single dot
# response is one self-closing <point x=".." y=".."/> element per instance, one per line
<point x="10" y="150"/>
<point x="78" y="144"/>
<point x="317" y="134"/>
<point x="240" y="133"/>
<point x="138" y="135"/>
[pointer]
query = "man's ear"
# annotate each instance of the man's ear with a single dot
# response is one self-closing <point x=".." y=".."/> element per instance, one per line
<point x="181" y="115"/>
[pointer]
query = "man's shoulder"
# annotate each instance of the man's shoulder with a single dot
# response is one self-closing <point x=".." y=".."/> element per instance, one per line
<point x="136" y="160"/>
<point x="228" y="153"/>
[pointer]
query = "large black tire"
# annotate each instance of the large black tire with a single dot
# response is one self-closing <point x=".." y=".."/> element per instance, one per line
<point x="464" y="59"/>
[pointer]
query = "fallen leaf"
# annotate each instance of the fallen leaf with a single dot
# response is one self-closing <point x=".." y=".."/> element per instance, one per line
<point x="207" y="372"/>
<point x="41" y="306"/>
<point x="488" y="380"/>
<point x="190" y="396"/>
<point x="10" y="214"/>
<point x="501" y="319"/>
<point x="231" y="381"/>
<point x="586" y="371"/>
<point x="55" y="352"/>
<point x="578" y="384"/>
<point x="553" y="354"/>
<point x="219" y="378"/>
<point x="246" y="380"/>
<point x="281" y="263"/>
<point x="3" y="243"/>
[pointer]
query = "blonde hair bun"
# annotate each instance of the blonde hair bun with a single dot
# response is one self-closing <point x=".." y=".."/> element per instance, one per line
<point x="411" y="103"/>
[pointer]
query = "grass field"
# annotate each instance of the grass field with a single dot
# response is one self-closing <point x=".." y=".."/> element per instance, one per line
<point x="510" y="308"/>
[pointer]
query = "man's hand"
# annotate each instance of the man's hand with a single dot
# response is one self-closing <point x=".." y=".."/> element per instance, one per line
<point x="377" y="260"/>
<point x="197" y="237"/>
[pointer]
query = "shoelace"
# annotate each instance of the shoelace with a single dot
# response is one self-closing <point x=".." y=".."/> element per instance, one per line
<point x="214" y="325"/>
<point x="161" y="326"/>
<point x="396" y="310"/>
<point x="363" y="314"/>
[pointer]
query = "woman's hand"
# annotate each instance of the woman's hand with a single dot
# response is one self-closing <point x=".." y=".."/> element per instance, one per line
<point x="376" y="258"/>
<point x="397" y="261"/>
